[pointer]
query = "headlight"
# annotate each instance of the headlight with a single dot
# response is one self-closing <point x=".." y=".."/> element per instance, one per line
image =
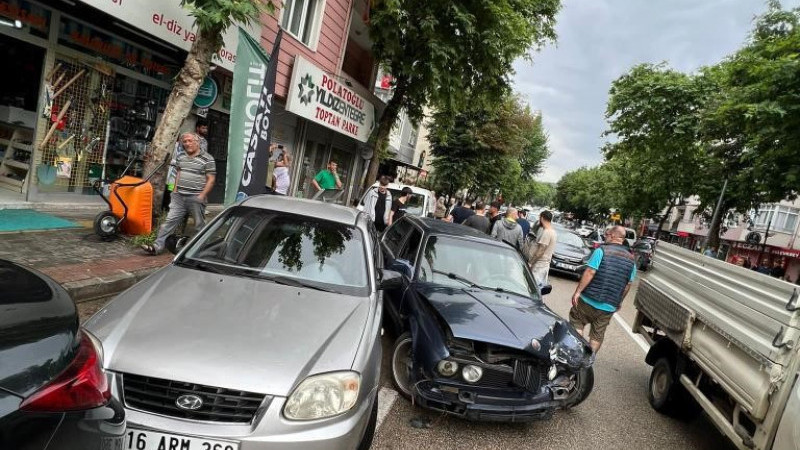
<point x="324" y="395"/>
<point x="536" y="345"/>
<point x="447" y="368"/>
<point x="472" y="373"/>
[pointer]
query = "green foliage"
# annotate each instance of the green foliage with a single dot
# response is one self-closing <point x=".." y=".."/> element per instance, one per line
<point x="542" y="194"/>
<point x="439" y="50"/>
<point x="489" y="150"/>
<point x="221" y="14"/>
<point x="589" y="193"/>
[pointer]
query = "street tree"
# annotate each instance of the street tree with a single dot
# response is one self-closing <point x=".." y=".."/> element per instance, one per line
<point x="542" y="193"/>
<point x="653" y="115"/>
<point x="753" y="126"/>
<point x="451" y="55"/>
<point x="212" y="19"/>
<point x="589" y="192"/>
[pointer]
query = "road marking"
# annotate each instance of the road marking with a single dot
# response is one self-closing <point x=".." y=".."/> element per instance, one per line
<point x="636" y="337"/>
<point x="386" y="398"/>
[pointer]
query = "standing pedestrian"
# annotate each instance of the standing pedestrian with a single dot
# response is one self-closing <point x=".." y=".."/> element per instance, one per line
<point x="746" y="264"/>
<point x="196" y="171"/>
<point x="494" y="213"/>
<point x="479" y="221"/>
<point x="280" y="175"/>
<point x="508" y="230"/>
<point x="399" y="206"/>
<point x="327" y="178"/>
<point x="378" y="204"/>
<point x="460" y="213"/>
<point x="201" y="131"/>
<point x="441" y="208"/>
<point x="523" y="222"/>
<point x="764" y="267"/>
<point x="432" y="205"/>
<point x="542" y="254"/>
<point x="777" y="270"/>
<point x="711" y="252"/>
<point x="605" y="282"/>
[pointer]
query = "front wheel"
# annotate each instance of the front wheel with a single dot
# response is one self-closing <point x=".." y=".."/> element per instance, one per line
<point x="403" y="365"/>
<point x="584" y="383"/>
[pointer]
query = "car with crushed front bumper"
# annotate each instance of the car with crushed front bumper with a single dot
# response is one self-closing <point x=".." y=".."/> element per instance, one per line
<point x="263" y="333"/>
<point x="473" y="337"/>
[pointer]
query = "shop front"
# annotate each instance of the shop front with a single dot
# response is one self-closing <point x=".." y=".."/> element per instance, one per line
<point x="84" y="86"/>
<point x="335" y="120"/>
<point x="787" y="258"/>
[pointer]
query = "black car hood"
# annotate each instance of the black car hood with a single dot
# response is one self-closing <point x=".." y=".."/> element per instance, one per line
<point x="570" y="251"/>
<point x="493" y="317"/>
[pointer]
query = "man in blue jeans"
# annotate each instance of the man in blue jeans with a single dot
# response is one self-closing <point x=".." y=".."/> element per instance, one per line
<point x="194" y="180"/>
<point x="604" y="284"/>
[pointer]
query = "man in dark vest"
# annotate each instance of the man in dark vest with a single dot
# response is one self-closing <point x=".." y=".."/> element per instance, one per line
<point x="604" y="284"/>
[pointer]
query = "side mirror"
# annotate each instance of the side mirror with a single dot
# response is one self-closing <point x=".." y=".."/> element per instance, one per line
<point x="546" y="289"/>
<point x="390" y="279"/>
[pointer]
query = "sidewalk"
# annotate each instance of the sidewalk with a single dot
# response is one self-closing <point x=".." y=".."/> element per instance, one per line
<point x="86" y="266"/>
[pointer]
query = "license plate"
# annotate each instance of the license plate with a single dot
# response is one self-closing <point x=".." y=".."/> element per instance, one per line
<point x="565" y="266"/>
<point x="152" y="440"/>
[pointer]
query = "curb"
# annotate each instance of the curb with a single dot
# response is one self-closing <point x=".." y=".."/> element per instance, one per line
<point x="107" y="286"/>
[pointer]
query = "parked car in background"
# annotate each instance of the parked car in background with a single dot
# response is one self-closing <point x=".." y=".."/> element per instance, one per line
<point x="473" y="337"/>
<point x="54" y="393"/>
<point x="643" y="251"/>
<point x="418" y="205"/>
<point x="570" y="255"/>
<point x="263" y="332"/>
<point x="584" y="230"/>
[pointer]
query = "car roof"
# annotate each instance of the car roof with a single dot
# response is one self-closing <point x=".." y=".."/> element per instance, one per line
<point x="399" y="187"/>
<point x="304" y="207"/>
<point x="442" y="228"/>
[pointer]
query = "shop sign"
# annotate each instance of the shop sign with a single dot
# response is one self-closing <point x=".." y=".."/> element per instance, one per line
<point x="319" y="97"/>
<point x="169" y="21"/>
<point x="771" y="250"/>
<point x="36" y="18"/>
<point x="207" y="94"/>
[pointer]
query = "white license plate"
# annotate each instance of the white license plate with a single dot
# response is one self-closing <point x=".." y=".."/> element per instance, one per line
<point x="566" y="266"/>
<point x="152" y="440"/>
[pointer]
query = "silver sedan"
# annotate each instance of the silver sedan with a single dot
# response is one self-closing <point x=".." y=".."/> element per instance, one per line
<point x="264" y="332"/>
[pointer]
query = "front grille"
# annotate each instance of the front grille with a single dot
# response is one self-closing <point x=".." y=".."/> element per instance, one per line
<point x="496" y="378"/>
<point x="528" y="376"/>
<point x="158" y="396"/>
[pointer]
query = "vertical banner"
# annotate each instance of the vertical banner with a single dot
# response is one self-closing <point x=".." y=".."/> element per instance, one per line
<point x="250" y="123"/>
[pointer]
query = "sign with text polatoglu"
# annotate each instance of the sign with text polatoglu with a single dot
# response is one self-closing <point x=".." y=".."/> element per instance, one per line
<point x="321" y="98"/>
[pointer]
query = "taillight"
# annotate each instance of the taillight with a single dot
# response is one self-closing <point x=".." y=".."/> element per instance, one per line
<point x="82" y="385"/>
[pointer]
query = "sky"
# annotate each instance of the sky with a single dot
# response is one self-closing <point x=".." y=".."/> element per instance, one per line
<point x="599" y="40"/>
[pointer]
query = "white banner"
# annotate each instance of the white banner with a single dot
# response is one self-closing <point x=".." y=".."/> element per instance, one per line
<point x="321" y="98"/>
<point x="165" y="19"/>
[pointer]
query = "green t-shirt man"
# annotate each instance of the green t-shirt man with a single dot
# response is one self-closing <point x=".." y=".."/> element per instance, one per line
<point x="327" y="178"/>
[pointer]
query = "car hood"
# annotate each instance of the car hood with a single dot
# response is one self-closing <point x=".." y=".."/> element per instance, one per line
<point x="496" y="318"/>
<point x="226" y="331"/>
<point x="570" y="251"/>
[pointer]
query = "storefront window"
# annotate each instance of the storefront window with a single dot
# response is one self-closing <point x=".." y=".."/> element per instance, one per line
<point x="35" y="19"/>
<point x="313" y="162"/>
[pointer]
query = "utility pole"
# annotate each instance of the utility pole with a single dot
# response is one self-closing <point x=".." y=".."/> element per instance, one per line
<point x="766" y="236"/>
<point x="716" y="213"/>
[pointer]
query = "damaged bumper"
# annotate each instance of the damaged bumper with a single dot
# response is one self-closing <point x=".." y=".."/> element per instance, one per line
<point x="486" y="404"/>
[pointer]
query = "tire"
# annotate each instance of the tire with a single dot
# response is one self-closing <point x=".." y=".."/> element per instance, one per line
<point x="105" y="224"/>
<point x="666" y="395"/>
<point x="402" y="365"/>
<point x="583" y="387"/>
<point x="369" y="433"/>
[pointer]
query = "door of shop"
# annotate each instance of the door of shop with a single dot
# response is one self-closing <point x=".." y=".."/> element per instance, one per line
<point x="218" y="148"/>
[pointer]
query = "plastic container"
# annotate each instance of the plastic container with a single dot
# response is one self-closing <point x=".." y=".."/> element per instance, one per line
<point x="140" y="205"/>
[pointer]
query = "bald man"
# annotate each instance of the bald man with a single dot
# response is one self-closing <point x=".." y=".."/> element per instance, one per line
<point x="605" y="283"/>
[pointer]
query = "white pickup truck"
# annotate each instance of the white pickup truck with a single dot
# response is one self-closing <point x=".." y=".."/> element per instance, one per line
<point x="725" y="339"/>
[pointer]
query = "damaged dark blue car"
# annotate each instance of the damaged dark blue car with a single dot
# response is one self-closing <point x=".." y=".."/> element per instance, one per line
<point x="474" y="338"/>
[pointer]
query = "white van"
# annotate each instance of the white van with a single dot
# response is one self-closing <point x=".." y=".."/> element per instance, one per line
<point x="419" y="204"/>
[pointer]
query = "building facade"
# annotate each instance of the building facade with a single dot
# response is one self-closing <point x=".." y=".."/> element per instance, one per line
<point x="86" y="82"/>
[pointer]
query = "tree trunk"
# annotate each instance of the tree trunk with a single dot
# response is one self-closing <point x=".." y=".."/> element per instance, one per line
<point x="388" y="118"/>
<point x="184" y="90"/>
<point x="664" y="218"/>
<point x="713" y="230"/>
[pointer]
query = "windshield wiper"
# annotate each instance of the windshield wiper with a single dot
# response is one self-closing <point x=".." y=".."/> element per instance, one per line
<point x="457" y="277"/>
<point x="195" y="264"/>
<point x="288" y="281"/>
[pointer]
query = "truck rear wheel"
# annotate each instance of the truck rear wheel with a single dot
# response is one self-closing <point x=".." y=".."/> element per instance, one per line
<point x="667" y="395"/>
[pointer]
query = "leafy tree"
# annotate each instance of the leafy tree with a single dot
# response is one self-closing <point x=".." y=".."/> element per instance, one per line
<point x="589" y="193"/>
<point x="451" y="55"/>
<point x="653" y="112"/>
<point x="487" y="151"/>
<point x="542" y="194"/>
<point x="212" y="18"/>
<point x="753" y="125"/>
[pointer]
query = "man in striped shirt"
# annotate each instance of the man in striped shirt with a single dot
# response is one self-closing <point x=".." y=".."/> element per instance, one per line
<point x="194" y="180"/>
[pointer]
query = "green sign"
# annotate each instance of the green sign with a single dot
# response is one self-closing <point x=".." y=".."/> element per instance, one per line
<point x="207" y="94"/>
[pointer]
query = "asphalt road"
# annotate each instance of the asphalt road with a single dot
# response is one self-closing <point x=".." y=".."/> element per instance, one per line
<point x="615" y="416"/>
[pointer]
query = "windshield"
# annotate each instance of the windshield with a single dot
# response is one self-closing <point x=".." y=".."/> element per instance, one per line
<point x="460" y="263"/>
<point x="565" y="237"/>
<point x="284" y="248"/>
<point x="414" y="205"/>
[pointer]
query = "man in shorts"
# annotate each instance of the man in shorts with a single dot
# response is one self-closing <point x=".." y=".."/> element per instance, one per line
<point x="604" y="284"/>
